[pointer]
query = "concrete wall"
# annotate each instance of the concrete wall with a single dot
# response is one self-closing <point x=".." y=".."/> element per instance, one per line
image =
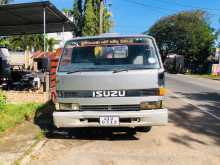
<point x="26" y="97"/>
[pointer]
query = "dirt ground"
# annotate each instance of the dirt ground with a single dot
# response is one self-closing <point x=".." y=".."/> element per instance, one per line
<point x="191" y="137"/>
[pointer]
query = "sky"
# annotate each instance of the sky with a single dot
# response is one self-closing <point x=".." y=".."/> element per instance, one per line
<point x="137" y="16"/>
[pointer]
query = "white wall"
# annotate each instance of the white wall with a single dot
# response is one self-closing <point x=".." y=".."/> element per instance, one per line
<point x="217" y="53"/>
<point x="61" y="38"/>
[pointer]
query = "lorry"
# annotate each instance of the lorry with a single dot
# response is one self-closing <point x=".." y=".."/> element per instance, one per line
<point x="110" y="81"/>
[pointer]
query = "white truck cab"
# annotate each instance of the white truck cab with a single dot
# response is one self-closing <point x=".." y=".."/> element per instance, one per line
<point x="110" y="81"/>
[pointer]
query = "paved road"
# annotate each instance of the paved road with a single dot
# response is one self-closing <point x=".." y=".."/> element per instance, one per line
<point x="203" y="93"/>
<point x="191" y="137"/>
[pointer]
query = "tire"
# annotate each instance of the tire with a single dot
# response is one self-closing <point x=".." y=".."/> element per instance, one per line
<point x="131" y="132"/>
<point x="144" y="129"/>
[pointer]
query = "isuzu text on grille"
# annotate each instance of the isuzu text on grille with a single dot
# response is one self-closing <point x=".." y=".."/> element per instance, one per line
<point x="108" y="93"/>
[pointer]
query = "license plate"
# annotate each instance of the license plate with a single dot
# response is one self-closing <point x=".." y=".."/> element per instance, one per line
<point x="109" y="120"/>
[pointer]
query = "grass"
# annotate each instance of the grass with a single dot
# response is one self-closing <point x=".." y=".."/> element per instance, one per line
<point x="206" y="76"/>
<point x="40" y="135"/>
<point x="13" y="114"/>
<point x="210" y="76"/>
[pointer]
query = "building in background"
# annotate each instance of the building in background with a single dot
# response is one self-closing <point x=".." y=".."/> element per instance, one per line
<point x="61" y="37"/>
<point x="217" y="54"/>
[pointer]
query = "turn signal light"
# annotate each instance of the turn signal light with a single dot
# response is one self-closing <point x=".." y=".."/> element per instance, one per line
<point x="162" y="91"/>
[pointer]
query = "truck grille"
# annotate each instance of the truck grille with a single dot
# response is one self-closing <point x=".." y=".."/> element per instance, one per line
<point x="110" y="107"/>
<point x="128" y="93"/>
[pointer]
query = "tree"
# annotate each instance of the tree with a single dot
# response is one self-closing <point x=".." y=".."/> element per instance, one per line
<point x="3" y="2"/>
<point x="4" y="42"/>
<point x="90" y="19"/>
<point x="26" y="42"/>
<point x="185" y="33"/>
<point x="108" y="23"/>
<point x="86" y="18"/>
<point x="51" y="42"/>
<point x="37" y="42"/>
<point x="77" y="14"/>
<point x="30" y="42"/>
<point x="19" y="42"/>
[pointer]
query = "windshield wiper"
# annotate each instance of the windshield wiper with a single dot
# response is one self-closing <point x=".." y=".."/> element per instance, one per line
<point x="120" y="70"/>
<point x="76" y="71"/>
<point x="127" y="69"/>
<point x="104" y="69"/>
<point x="86" y="70"/>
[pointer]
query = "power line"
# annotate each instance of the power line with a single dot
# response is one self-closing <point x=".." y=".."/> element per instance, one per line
<point x="191" y="6"/>
<point x="161" y="8"/>
<point x="194" y="7"/>
<point x="149" y="6"/>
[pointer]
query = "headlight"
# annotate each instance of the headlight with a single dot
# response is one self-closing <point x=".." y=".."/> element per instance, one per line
<point x="67" y="106"/>
<point x="75" y="107"/>
<point x="151" y="105"/>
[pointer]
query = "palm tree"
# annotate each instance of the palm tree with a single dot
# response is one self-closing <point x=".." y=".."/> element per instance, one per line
<point x="51" y="42"/>
<point x="37" y="42"/>
<point x="25" y="42"/>
<point x="4" y="2"/>
<point x="29" y="42"/>
<point x="4" y="42"/>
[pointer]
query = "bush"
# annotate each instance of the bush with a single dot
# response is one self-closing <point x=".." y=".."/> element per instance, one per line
<point x="2" y="100"/>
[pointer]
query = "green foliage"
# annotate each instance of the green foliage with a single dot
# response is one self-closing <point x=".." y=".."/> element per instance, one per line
<point x="4" y="42"/>
<point x="2" y="100"/>
<point x="3" y="2"/>
<point x="50" y="42"/>
<point x="185" y="33"/>
<point x="13" y="114"/>
<point x="77" y="14"/>
<point x="86" y="18"/>
<point x="108" y="22"/>
<point x="25" y="42"/>
<point x="28" y="42"/>
<point x="90" y="25"/>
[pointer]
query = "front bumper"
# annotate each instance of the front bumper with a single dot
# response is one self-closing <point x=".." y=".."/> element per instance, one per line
<point x="127" y="118"/>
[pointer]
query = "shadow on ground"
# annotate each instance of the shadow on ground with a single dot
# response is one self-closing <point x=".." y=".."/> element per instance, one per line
<point x="196" y="121"/>
<point x="43" y="118"/>
<point x="210" y="100"/>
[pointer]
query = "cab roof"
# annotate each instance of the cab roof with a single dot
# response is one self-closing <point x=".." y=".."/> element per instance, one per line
<point x="111" y="35"/>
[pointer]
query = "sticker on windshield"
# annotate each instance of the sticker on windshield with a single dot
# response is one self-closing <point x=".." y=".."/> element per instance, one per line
<point x="98" y="51"/>
<point x="152" y="60"/>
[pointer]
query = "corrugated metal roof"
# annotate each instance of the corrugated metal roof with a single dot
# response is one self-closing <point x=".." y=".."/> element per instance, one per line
<point x="27" y="18"/>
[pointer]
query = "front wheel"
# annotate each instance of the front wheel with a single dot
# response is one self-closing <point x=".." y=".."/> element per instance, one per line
<point x="144" y="129"/>
<point x="131" y="132"/>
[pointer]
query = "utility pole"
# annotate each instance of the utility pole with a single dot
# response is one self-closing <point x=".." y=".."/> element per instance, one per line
<point x="101" y="11"/>
<point x="44" y="17"/>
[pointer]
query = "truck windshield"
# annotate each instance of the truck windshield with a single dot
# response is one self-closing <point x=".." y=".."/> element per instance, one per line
<point x="109" y="55"/>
